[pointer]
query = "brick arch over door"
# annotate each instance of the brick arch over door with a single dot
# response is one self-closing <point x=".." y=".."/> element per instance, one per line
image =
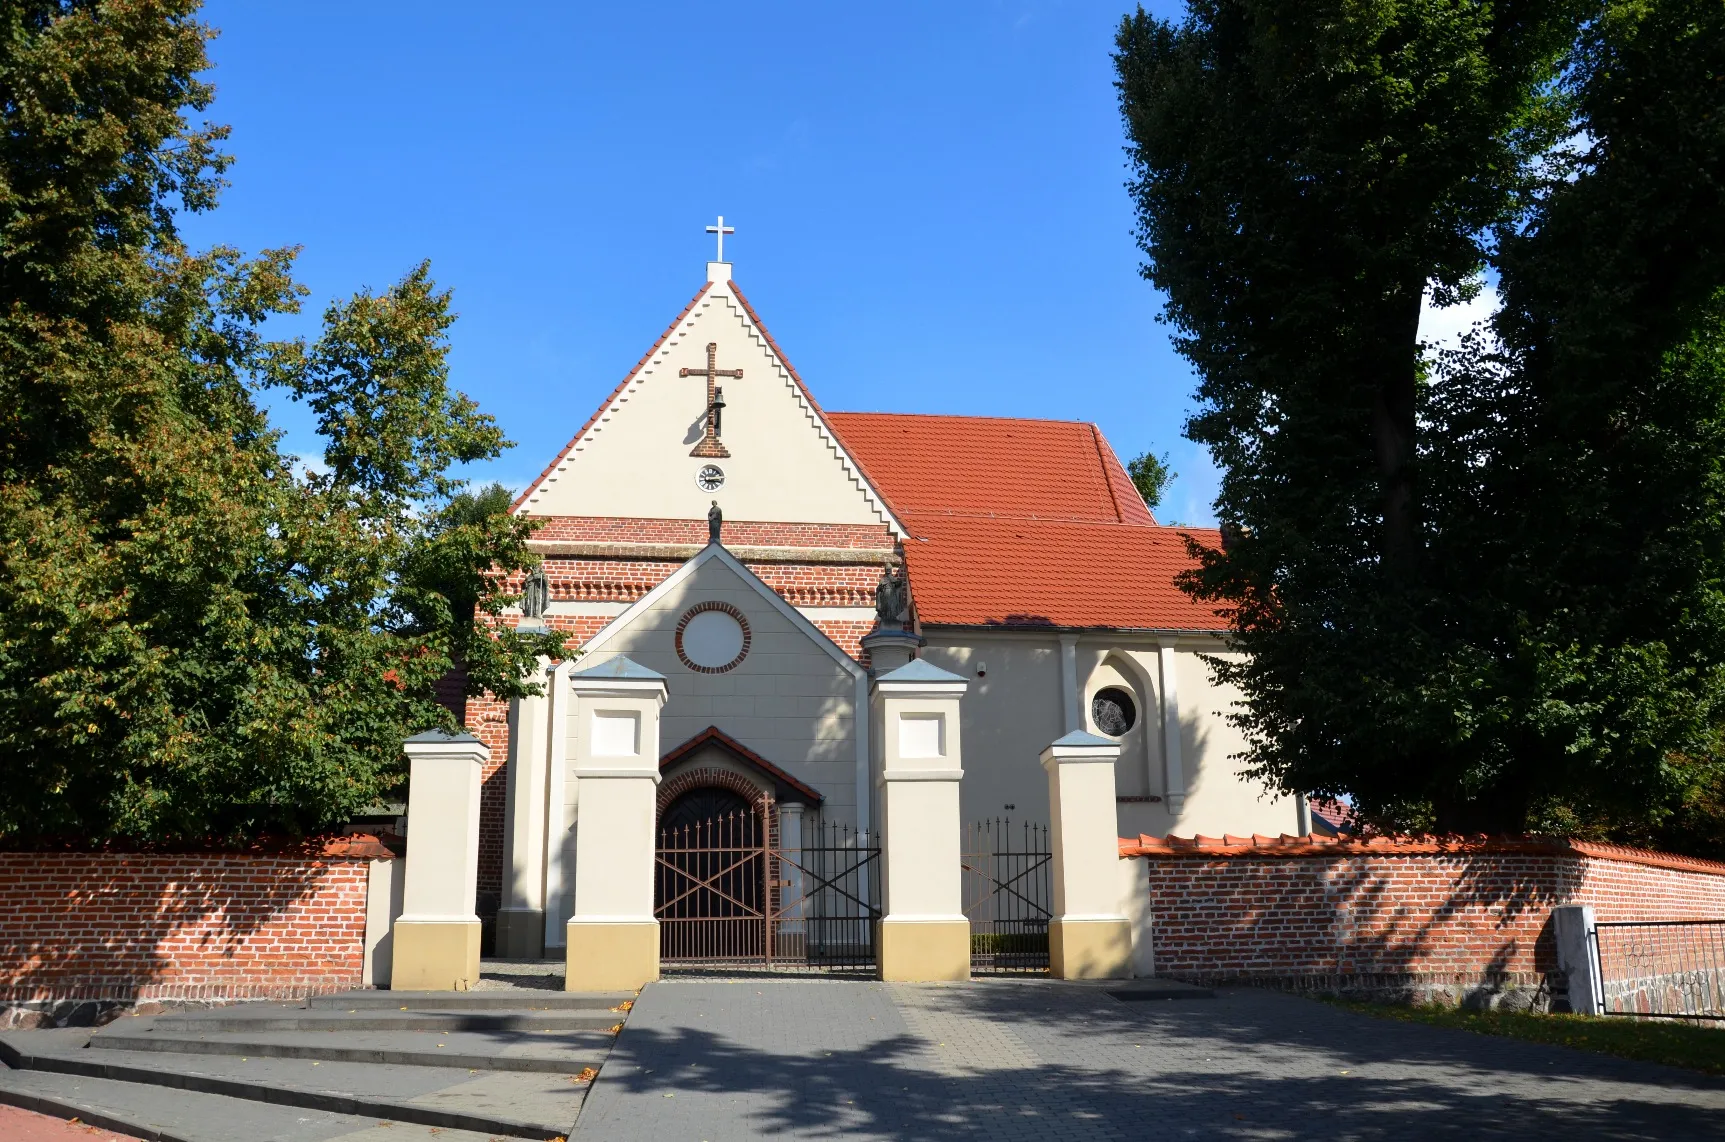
<point x="711" y="778"/>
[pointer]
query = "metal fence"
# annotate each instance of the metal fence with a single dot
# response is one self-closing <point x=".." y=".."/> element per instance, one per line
<point x="1670" y="968"/>
<point x="1008" y="896"/>
<point x="727" y="900"/>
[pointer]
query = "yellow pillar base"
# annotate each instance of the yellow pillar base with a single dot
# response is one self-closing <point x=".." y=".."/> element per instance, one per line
<point x="1090" y="949"/>
<point x="436" y="956"/>
<point x="916" y="951"/>
<point x="611" y="956"/>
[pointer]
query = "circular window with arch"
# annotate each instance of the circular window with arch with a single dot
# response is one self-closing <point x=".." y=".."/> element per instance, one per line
<point x="713" y="637"/>
<point x="1114" y="711"/>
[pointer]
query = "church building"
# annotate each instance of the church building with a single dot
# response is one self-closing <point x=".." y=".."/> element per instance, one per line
<point x="712" y="523"/>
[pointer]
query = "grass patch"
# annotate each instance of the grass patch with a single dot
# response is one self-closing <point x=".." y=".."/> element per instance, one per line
<point x="1686" y="1045"/>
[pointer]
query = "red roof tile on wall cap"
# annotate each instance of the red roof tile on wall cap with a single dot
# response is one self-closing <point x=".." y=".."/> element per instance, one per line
<point x="1286" y="846"/>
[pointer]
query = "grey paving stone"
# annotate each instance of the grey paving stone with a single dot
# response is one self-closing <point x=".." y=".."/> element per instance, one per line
<point x="517" y="1103"/>
<point x="284" y="1017"/>
<point x="715" y="1061"/>
<point x="543" y="1051"/>
<point x="158" y="1114"/>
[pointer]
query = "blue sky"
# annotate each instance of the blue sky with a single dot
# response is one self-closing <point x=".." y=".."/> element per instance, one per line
<point x="928" y="198"/>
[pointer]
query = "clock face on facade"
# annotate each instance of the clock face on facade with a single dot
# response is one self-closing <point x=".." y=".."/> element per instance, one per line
<point x="711" y="478"/>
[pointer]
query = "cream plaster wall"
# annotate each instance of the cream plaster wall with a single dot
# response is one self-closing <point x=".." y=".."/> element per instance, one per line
<point x="1008" y="716"/>
<point x="1014" y="711"/>
<point x="635" y="462"/>
<point x="788" y="700"/>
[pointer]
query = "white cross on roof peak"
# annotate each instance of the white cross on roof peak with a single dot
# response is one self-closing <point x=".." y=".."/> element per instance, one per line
<point x="721" y="230"/>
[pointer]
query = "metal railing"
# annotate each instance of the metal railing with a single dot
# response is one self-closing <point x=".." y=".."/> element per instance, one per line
<point x="1008" y="896"/>
<point x="1673" y="969"/>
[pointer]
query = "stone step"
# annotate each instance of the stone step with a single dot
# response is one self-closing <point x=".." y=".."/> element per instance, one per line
<point x="164" y="1114"/>
<point x="265" y="1017"/>
<point x="540" y="1052"/>
<point x="502" y="999"/>
<point x="517" y="1104"/>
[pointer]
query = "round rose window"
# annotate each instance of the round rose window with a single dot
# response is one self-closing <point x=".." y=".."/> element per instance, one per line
<point x="712" y="638"/>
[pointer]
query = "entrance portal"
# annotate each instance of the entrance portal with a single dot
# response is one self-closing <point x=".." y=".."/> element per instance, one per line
<point x="727" y="898"/>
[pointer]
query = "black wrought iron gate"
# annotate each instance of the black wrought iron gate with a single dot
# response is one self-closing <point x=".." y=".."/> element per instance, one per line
<point x="727" y="899"/>
<point x="1008" y="878"/>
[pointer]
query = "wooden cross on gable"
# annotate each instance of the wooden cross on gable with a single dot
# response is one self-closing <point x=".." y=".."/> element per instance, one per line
<point x="709" y="445"/>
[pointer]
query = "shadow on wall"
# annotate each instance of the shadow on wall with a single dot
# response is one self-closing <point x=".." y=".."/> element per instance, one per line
<point x="1456" y="927"/>
<point x="86" y="935"/>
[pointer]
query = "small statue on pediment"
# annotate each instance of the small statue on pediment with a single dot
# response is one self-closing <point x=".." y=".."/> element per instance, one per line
<point x="891" y="599"/>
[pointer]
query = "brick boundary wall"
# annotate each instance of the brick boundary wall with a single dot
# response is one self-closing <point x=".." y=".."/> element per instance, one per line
<point x="108" y="930"/>
<point x="1423" y="919"/>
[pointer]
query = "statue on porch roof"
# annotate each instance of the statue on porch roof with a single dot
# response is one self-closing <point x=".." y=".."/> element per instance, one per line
<point x="715" y="522"/>
<point x="891" y="599"/>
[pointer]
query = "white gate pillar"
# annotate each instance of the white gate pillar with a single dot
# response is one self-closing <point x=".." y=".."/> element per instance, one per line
<point x="924" y="934"/>
<point x="1088" y="938"/>
<point x="612" y="938"/>
<point x="437" y="935"/>
<point x="521" y="920"/>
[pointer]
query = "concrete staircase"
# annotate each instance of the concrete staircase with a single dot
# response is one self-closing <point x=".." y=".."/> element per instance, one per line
<point x="362" y="1066"/>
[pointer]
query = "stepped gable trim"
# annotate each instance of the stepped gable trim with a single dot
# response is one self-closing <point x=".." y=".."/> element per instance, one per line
<point x="713" y="735"/>
<point x="1285" y="846"/>
<point x="869" y="487"/>
<point x="605" y="404"/>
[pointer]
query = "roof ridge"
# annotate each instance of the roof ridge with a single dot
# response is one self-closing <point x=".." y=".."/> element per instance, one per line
<point x="966" y="416"/>
<point x="563" y="454"/>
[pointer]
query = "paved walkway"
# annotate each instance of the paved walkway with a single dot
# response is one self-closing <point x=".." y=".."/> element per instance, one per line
<point x="723" y="1061"/>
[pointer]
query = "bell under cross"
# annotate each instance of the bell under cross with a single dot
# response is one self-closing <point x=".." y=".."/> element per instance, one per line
<point x="710" y="446"/>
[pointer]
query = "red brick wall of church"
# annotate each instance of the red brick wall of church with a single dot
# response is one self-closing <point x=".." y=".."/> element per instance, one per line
<point x="1469" y="916"/>
<point x="737" y="533"/>
<point x="131" y="927"/>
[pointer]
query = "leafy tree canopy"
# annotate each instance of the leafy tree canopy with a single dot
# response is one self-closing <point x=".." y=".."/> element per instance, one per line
<point x="1151" y="476"/>
<point x="197" y="639"/>
<point x="1477" y="593"/>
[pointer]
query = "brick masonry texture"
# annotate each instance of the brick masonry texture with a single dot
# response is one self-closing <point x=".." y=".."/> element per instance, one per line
<point x="738" y="533"/>
<point x="196" y="926"/>
<point x="1458" y="919"/>
<point x="581" y="580"/>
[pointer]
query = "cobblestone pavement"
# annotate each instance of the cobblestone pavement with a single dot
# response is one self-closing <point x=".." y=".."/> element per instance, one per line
<point x="722" y="1061"/>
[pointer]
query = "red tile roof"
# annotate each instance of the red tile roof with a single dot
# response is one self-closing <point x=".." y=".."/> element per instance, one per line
<point x="1045" y="469"/>
<point x="1024" y="523"/>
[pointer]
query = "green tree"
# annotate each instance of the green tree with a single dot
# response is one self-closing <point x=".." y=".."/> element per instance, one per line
<point x="1151" y="476"/>
<point x="1305" y="171"/>
<point x="195" y="639"/>
<point x="1542" y="645"/>
<point x="1581" y="461"/>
